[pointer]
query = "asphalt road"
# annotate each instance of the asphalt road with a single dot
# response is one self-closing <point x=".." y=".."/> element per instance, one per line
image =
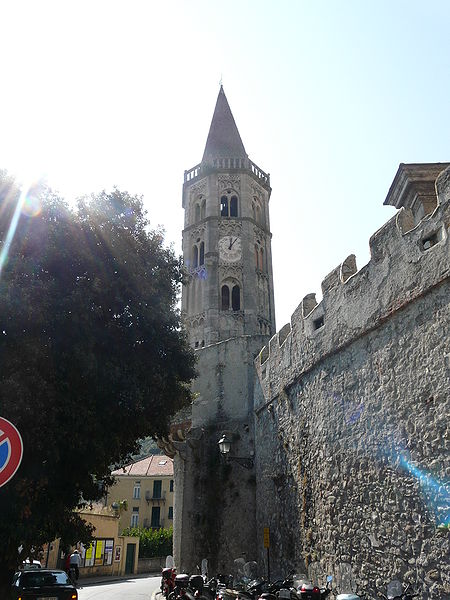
<point x="129" y="589"/>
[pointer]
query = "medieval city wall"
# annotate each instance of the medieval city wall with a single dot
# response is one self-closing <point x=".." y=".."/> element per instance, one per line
<point x="351" y="417"/>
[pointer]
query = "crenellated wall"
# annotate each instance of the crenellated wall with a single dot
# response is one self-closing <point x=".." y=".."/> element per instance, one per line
<point x="351" y="416"/>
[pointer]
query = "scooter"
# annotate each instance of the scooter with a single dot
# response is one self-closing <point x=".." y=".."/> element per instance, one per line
<point x="168" y="580"/>
<point x="350" y="595"/>
<point x="395" y="591"/>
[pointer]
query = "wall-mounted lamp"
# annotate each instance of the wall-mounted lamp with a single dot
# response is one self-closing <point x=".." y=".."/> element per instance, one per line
<point x="225" y="446"/>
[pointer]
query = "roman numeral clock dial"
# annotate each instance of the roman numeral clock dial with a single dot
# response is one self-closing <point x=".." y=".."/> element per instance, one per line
<point x="230" y="248"/>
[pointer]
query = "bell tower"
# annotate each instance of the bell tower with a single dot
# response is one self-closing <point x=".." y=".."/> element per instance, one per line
<point x="228" y="310"/>
<point x="226" y="239"/>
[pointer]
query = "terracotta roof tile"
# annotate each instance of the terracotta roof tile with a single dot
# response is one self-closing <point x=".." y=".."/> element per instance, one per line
<point x="156" y="465"/>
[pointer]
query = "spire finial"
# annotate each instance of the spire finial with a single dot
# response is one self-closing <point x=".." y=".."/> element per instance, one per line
<point x="221" y="80"/>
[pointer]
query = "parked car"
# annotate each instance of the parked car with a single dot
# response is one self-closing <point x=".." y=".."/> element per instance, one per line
<point x="43" y="583"/>
<point x="31" y="564"/>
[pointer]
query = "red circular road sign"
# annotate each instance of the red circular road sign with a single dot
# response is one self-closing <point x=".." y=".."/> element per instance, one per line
<point x="11" y="450"/>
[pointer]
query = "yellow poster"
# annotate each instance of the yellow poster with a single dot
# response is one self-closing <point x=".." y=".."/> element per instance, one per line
<point x="99" y="549"/>
<point x="89" y="552"/>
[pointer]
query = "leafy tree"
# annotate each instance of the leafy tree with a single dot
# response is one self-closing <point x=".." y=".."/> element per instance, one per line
<point x="91" y="351"/>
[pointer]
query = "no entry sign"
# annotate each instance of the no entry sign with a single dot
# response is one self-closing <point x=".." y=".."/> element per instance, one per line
<point x="11" y="450"/>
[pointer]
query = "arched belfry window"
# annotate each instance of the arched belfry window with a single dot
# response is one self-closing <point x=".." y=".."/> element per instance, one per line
<point x="225" y="297"/>
<point x="259" y="256"/>
<point x="229" y="204"/>
<point x="233" y="206"/>
<point x="224" y="206"/>
<point x="230" y="294"/>
<point x="236" y="298"/>
<point x="257" y="211"/>
<point x="198" y="254"/>
<point x="198" y="209"/>
<point x="195" y="257"/>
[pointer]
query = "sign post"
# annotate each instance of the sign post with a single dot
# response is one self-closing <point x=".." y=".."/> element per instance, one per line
<point x="11" y="450"/>
<point x="267" y="545"/>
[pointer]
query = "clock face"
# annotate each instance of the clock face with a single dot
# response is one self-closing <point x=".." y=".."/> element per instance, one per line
<point x="230" y="248"/>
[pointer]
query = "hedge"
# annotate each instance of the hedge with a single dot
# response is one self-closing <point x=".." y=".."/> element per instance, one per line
<point x="152" y="542"/>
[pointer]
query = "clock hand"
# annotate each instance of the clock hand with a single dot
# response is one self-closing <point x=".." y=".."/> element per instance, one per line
<point x="232" y="242"/>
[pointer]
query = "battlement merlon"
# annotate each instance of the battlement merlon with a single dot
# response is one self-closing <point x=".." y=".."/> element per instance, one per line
<point x="407" y="260"/>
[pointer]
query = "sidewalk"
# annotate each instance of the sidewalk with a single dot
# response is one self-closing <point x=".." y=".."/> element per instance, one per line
<point x="96" y="580"/>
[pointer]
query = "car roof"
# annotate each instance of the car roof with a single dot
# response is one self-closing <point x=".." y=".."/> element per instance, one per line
<point x="42" y="570"/>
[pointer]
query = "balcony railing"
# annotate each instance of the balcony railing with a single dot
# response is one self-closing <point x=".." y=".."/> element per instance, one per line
<point x="150" y="497"/>
<point x="228" y="164"/>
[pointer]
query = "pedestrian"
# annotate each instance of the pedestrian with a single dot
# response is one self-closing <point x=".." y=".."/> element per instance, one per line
<point x="67" y="563"/>
<point x="75" y="562"/>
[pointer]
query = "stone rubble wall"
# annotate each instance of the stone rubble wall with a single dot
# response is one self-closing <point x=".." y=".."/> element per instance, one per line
<point x="351" y="418"/>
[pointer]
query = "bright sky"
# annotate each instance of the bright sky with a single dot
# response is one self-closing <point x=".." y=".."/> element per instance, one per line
<point x="329" y="97"/>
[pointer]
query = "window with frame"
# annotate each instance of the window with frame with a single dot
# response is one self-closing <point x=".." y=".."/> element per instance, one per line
<point x="171" y="481"/>
<point x="170" y="514"/>
<point x="137" y="490"/>
<point x="157" y="487"/>
<point x="135" y="517"/>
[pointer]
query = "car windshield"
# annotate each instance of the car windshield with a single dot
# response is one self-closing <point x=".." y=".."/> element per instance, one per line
<point x="40" y="579"/>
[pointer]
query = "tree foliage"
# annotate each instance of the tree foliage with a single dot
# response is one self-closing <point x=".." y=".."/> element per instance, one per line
<point x="152" y="542"/>
<point x="92" y="354"/>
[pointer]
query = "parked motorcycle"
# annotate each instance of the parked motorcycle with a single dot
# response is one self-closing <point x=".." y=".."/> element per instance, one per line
<point x="168" y="575"/>
<point x="306" y="590"/>
<point x="395" y="591"/>
<point x="180" y="588"/>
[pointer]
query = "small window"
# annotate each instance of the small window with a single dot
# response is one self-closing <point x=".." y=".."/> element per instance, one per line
<point x="197" y="212"/>
<point x="162" y="462"/>
<point x="170" y="515"/>
<point x="225" y="297"/>
<point x="202" y="254"/>
<point x="318" y="323"/>
<point x="171" y="486"/>
<point x="430" y="241"/>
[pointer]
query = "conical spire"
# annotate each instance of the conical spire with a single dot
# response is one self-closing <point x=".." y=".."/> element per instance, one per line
<point x="223" y="140"/>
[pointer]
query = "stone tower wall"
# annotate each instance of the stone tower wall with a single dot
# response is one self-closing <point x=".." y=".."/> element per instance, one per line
<point x="351" y="418"/>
